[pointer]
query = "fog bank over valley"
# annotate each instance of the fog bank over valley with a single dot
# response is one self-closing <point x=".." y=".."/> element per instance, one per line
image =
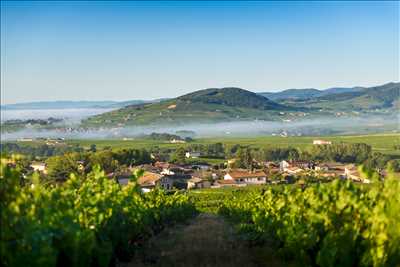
<point x="68" y="114"/>
<point x="310" y="127"/>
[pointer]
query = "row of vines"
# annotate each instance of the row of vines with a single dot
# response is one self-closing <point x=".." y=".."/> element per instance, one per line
<point x="332" y="224"/>
<point x="86" y="221"/>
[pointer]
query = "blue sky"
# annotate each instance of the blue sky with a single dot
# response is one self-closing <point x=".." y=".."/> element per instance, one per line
<point x="144" y="50"/>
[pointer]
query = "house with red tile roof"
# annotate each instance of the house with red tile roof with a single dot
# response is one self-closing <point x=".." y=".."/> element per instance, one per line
<point x="150" y="180"/>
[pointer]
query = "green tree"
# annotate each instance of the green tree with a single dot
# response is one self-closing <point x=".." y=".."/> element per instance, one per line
<point x="293" y="154"/>
<point x="244" y="159"/>
<point x="179" y="156"/>
<point x="393" y="165"/>
<point x="59" y="168"/>
<point x="93" y="148"/>
<point x="105" y="159"/>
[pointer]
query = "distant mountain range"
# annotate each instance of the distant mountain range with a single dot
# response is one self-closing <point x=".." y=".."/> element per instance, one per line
<point x="343" y="99"/>
<point x="74" y="104"/>
<point x="231" y="104"/>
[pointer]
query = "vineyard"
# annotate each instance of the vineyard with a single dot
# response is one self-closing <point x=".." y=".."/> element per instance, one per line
<point x="93" y="221"/>
<point x="334" y="224"/>
<point x="87" y="221"/>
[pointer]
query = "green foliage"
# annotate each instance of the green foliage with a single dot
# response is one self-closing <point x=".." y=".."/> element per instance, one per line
<point x="105" y="158"/>
<point x="86" y="221"/>
<point x="179" y="156"/>
<point x="342" y="152"/>
<point x="333" y="224"/>
<point x="274" y="154"/>
<point x="93" y="148"/>
<point x="394" y="165"/>
<point x="39" y="150"/>
<point x="59" y="168"/>
<point x="132" y="157"/>
<point x="163" y="136"/>
<point x="213" y="150"/>
<point x="244" y="158"/>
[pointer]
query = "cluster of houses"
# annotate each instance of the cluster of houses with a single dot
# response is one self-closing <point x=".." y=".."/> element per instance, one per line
<point x="168" y="176"/>
<point x="193" y="176"/>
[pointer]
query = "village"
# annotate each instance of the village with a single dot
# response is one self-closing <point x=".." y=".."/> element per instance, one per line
<point x="171" y="176"/>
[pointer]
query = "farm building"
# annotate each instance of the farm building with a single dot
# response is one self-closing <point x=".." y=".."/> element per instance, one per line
<point x="351" y="172"/>
<point x="150" y="180"/>
<point x="39" y="166"/>
<point x="322" y="142"/>
<point x="197" y="182"/>
<point x="193" y="155"/>
<point x="246" y="177"/>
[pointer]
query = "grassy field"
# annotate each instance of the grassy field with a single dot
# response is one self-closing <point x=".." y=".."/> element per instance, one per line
<point x="383" y="143"/>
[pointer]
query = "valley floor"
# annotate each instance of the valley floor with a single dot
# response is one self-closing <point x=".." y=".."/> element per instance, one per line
<point x="207" y="240"/>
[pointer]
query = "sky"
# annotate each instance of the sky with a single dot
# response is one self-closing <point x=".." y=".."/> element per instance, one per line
<point x="146" y="50"/>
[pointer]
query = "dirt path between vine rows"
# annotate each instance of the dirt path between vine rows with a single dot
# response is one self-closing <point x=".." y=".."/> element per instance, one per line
<point x="206" y="240"/>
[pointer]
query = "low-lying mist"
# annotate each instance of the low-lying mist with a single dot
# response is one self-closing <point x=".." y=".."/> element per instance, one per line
<point x="310" y="127"/>
<point x="70" y="115"/>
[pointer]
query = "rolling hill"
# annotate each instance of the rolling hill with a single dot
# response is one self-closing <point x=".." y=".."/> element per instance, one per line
<point x="356" y="99"/>
<point x="235" y="104"/>
<point x="292" y="94"/>
<point x="208" y="105"/>
<point x="307" y="93"/>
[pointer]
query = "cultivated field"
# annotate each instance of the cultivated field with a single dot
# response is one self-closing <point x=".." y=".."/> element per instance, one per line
<point x="384" y="143"/>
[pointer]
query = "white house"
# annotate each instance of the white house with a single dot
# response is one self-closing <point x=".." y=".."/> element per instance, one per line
<point x="192" y="155"/>
<point x="177" y="141"/>
<point x="246" y="177"/>
<point x="283" y="165"/>
<point x="322" y="142"/>
<point x="39" y="166"/>
<point x="25" y="140"/>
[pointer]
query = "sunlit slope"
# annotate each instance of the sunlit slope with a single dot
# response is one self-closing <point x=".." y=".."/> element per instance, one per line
<point x="209" y="105"/>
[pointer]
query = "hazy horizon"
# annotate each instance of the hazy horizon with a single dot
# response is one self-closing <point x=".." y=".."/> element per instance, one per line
<point x="123" y="100"/>
<point x="73" y="51"/>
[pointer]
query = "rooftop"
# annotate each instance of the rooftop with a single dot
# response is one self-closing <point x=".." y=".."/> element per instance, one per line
<point x="149" y="178"/>
<point x="235" y="174"/>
